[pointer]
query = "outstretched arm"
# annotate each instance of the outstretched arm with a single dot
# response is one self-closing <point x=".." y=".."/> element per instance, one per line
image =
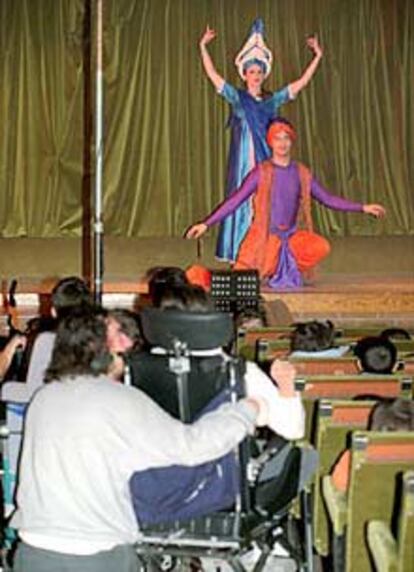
<point x="296" y="86"/>
<point x="228" y="206"/>
<point x="341" y="204"/>
<point x="208" y="65"/>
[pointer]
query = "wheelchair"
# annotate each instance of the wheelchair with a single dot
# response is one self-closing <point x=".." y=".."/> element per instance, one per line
<point x="184" y="370"/>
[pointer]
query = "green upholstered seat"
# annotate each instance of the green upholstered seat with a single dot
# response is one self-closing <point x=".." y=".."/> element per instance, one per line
<point x="390" y="553"/>
<point x="335" y="420"/>
<point x="378" y="460"/>
<point x="316" y="387"/>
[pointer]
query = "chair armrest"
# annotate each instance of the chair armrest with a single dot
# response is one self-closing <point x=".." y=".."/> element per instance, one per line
<point x="382" y="546"/>
<point x="336" y="504"/>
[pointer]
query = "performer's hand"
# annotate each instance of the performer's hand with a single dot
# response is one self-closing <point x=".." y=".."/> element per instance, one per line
<point x="377" y="211"/>
<point x="208" y="35"/>
<point x="313" y="43"/>
<point x="284" y="373"/>
<point x="196" y="231"/>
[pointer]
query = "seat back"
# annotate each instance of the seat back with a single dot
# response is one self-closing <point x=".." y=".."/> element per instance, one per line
<point x="325" y="366"/>
<point x="335" y="420"/>
<point x="269" y="349"/>
<point x="378" y="459"/>
<point x="406" y="524"/>
<point x="207" y="377"/>
<point x="316" y="387"/>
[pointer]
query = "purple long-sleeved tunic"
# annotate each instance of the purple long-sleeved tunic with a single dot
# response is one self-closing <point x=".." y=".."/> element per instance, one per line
<point x="285" y="198"/>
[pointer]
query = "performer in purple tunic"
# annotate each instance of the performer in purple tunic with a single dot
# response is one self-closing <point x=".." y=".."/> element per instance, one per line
<point x="282" y="190"/>
<point x="252" y="109"/>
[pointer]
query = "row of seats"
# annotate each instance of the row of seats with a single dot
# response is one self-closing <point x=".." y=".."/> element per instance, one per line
<point x="378" y="463"/>
<point x="348" y="529"/>
<point x="265" y="344"/>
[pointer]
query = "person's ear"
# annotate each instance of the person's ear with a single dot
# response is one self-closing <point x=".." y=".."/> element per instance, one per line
<point x="359" y="365"/>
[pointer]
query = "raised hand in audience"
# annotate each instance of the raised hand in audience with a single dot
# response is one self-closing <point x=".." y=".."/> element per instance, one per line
<point x="6" y="356"/>
<point x="284" y="373"/>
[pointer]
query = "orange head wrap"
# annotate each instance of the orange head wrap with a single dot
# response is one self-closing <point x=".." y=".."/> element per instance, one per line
<point x="280" y="125"/>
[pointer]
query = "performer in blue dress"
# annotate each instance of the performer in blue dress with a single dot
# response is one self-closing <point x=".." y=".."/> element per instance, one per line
<point x="252" y="109"/>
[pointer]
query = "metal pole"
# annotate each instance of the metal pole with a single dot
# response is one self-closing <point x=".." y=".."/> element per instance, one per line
<point x="98" y="222"/>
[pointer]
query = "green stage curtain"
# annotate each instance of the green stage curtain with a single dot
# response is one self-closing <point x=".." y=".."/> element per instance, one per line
<point x="165" y="131"/>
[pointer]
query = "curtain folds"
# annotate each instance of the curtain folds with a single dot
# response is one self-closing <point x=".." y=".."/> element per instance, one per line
<point x="165" y="128"/>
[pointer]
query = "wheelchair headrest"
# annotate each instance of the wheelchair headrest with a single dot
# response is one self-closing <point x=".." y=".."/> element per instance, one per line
<point x="199" y="330"/>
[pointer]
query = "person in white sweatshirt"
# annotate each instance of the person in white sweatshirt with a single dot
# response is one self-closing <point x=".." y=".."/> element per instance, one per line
<point x="84" y="437"/>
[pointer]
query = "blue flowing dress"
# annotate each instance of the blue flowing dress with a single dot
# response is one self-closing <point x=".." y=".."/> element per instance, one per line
<point x="249" y="120"/>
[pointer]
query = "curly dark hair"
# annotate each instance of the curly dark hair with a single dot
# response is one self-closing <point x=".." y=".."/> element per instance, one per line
<point x="312" y="336"/>
<point x="188" y="298"/>
<point x="80" y="346"/>
<point x="162" y="278"/>
<point x="69" y="293"/>
<point x="376" y="354"/>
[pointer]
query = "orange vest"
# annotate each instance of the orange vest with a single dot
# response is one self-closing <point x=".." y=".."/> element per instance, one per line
<point x="253" y="251"/>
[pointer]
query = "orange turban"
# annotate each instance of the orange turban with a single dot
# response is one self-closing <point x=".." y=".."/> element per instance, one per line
<point x="280" y="126"/>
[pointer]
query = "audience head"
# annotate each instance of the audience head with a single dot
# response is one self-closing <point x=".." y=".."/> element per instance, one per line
<point x="376" y="354"/>
<point x="123" y="332"/>
<point x="187" y="298"/>
<point x="81" y="345"/>
<point x="393" y="415"/>
<point x="250" y="318"/>
<point x="69" y="293"/>
<point x="162" y="278"/>
<point x="395" y="334"/>
<point x="313" y="336"/>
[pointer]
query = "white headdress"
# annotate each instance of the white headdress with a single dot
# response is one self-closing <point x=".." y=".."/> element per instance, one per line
<point x="255" y="50"/>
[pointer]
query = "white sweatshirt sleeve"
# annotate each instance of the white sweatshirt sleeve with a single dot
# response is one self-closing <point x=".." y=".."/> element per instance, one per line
<point x="167" y="441"/>
<point x="286" y="415"/>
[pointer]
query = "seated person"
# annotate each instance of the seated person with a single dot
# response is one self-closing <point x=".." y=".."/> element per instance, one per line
<point x="387" y="415"/>
<point x="124" y="334"/>
<point x="315" y="339"/>
<point x="376" y="354"/>
<point x="251" y="318"/>
<point x="84" y="438"/>
<point x="396" y="334"/>
<point x="281" y="408"/>
<point x="161" y="278"/>
<point x="285" y="413"/>
<point x="69" y="293"/>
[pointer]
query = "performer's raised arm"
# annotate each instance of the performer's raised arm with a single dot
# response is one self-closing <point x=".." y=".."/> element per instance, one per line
<point x="297" y="86"/>
<point x="216" y="79"/>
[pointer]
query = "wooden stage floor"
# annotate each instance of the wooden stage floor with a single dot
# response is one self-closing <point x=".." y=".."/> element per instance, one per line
<point x="366" y="280"/>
